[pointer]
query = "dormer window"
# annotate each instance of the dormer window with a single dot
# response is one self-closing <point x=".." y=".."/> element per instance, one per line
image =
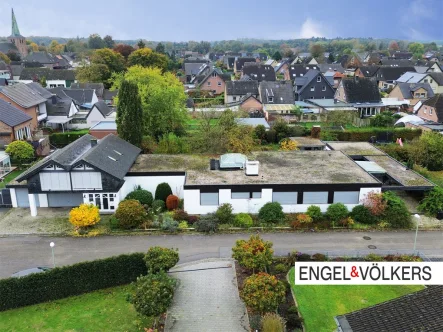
<point x="301" y="74"/>
<point x="271" y="99"/>
<point x="318" y="79"/>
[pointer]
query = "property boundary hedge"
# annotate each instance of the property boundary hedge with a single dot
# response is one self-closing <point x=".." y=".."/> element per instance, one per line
<point x="70" y="280"/>
<point x="365" y="134"/>
<point x="63" y="139"/>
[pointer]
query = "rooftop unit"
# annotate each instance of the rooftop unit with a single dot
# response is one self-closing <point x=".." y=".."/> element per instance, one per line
<point x="233" y="160"/>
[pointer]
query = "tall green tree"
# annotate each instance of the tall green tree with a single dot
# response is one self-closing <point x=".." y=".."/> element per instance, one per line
<point x="147" y="58"/>
<point x="113" y="60"/>
<point x="141" y="44"/>
<point x="162" y="97"/>
<point x="129" y="113"/>
<point x="277" y="56"/>
<point x="417" y="49"/>
<point x="160" y="48"/>
<point x="97" y="73"/>
<point x="95" y="42"/>
<point x="108" y="41"/>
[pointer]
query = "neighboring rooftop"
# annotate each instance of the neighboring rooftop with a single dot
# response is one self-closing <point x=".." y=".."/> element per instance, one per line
<point x="40" y="90"/>
<point x="33" y="74"/>
<point x="308" y="142"/>
<point x="321" y="167"/>
<point x="242" y="87"/>
<point x="104" y="125"/>
<point x="98" y="87"/>
<point x="279" y="92"/>
<point x="22" y="95"/>
<point x="11" y="115"/>
<point x="356" y="148"/>
<point x="259" y="72"/>
<point x="361" y="90"/>
<point x="419" y="311"/>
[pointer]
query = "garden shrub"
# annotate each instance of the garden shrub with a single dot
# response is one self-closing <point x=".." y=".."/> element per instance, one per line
<point x="180" y="215"/>
<point x="263" y="292"/>
<point x="193" y="219"/>
<point x="141" y="195"/>
<point x="172" y="202"/>
<point x="159" y="259"/>
<point x="84" y="215"/>
<point x="62" y="139"/>
<point x="304" y="219"/>
<point x="433" y="202"/>
<point x="365" y="134"/>
<point x="130" y="214"/>
<point x="271" y="212"/>
<point x="224" y="214"/>
<point x="374" y="258"/>
<point x="253" y="254"/>
<point x="303" y="258"/>
<point x="183" y="225"/>
<point x="158" y="206"/>
<point x="169" y="225"/>
<point x="361" y="214"/>
<point x="207" y="223"/>
<point x="337" y="212"/>
<point x="113" y="222"/>
<point x="347" y="222"/>
<point x="293" y="320"/>
<point x="396" y="212"/>
<point x="375" y="203"/>
<point x="71" y="280"/>
<point x="163" y="191"/>
<point x="315" y="213"/>
<point x="153" y="294"/>
<point x="272" y="322"/>
<point x="243" y="220"/>
<point x="280" y="268"/>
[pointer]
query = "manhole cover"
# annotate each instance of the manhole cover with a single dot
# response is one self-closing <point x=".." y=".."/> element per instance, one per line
<point x="372" y="247"/>
<point x="366" y="237"/>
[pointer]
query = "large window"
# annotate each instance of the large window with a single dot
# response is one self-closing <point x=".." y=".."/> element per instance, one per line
<point x="208" y="198"/>
<point x="346" y="197"/>
<point x="55" y="181"/>
<point x="285" y="197"/>
<point x="315" y="197"/>
<point x="245" y="195"/>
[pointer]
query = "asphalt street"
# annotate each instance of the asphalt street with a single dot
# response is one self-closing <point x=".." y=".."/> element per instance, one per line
<point x="18" y="253"/>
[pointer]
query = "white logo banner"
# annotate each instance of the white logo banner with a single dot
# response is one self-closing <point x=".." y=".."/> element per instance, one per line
<point x="368" y="273"/>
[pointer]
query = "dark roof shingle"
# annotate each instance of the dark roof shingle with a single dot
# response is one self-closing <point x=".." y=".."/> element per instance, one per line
<point x="241" y="87"/>
<point x="11" y="115"/>
<point x="259" y="72"/>
<point x="280" y="91"/>
<point x="49" y="74"/>
<point x="361" y="90"/>
<point x="22" y="95"/>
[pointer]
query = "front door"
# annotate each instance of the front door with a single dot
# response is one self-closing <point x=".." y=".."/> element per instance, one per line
<point x="106" y="202"/>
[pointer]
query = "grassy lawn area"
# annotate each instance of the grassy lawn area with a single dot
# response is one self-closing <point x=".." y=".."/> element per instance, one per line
<point x="104" y="310"/>
<point x="11" y="176"/>
<point x="319" y="304"/>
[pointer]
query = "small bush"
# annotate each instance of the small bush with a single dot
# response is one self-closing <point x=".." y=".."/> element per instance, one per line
<point x="253" y="254"/>
<point x="141" y="195"/>
<point x="304" y="258"/>
<point x="337" y="212"/>
<point x="193" y="219"/>
<point x="280" y="268"/>
<point x="361" y="214"/>
<point x="243" y="220"/>
<point x="153" y="294"/>
<point x="347" y="222"/>
<point x="319" y="257"/>
<point x="113" y="222"/>
<point x="271" y="213"/>
<point x="224" y="214"/>
<point x="374" y="258"/>
<point x="207" y="223"/>
<point x="396" y="211"/>
<point x="183" y="225"/>
<point x="315" y="213"/>
<point x="293" y="320"/>
<point x="433" y="202"/>
<point x="130" y="214"/>
<point x="304" y="219"/>
<point x="163" y="191"/>
<point x="85" y="215"/>
<point x="159" y="259"/>
<point x="172" y="202"/>
<point x="158" y="206"/>
<point x="271" y="322"/>
<point x="180" y="215"/>
<point x="263" y="292"/>
<point x="169" y="225"/>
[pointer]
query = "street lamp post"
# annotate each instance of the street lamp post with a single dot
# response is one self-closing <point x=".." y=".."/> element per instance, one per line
<point x="52" y="244"/>
<point x="416" y="230"/>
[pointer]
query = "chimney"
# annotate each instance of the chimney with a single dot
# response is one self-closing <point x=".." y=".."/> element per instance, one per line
<point x="93" y="142"/>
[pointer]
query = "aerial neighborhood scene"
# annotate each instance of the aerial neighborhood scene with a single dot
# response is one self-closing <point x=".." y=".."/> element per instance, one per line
<point x="163" y="169"/>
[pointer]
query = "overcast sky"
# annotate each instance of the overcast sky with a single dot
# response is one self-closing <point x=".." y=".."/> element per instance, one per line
<point x="178" y="20"/>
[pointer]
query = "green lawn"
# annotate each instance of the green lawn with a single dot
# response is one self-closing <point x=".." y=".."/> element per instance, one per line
<point x="194" y="123"/>
<point x="104" y="310"/>
<point x="319" y="304"/>
<point x="11" y="176"/>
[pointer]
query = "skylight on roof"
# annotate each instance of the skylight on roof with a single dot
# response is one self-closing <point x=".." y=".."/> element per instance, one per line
<point x="113" y="159"/>
<point x="119" y="153"/>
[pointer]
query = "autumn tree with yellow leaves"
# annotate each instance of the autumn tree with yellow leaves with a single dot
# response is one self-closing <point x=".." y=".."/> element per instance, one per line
<point x="288" y="144"/>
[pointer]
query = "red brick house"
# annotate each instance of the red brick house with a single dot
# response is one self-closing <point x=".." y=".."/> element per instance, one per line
<point x="214" y="81"/>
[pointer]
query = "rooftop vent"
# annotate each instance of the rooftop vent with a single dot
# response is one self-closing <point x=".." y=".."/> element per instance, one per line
<point x="252" y="167"/>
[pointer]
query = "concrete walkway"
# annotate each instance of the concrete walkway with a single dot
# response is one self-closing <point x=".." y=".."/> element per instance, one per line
<point x="207" y="298"/>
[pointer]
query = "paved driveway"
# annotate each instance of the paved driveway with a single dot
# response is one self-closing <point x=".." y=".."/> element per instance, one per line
<point x="207" y="298"/>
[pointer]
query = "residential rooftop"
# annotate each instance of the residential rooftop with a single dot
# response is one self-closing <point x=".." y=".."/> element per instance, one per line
<point x="320" y="167"/>
<point x="306" y="141"/>
<point x="356" y="148"/>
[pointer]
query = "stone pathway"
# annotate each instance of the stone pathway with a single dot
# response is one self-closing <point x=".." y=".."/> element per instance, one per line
<point x="207" y="299"/>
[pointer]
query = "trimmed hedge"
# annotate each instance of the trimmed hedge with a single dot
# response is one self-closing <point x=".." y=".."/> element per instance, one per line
<point x="365" y="134"/>
<point x="71" y="280"/>
<point x="62" y="139"/>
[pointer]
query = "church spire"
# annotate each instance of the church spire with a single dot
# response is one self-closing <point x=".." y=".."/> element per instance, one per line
<point x="15" y="30"/>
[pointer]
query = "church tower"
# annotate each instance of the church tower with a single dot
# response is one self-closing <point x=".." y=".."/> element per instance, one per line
<point x="17" y="39"/>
